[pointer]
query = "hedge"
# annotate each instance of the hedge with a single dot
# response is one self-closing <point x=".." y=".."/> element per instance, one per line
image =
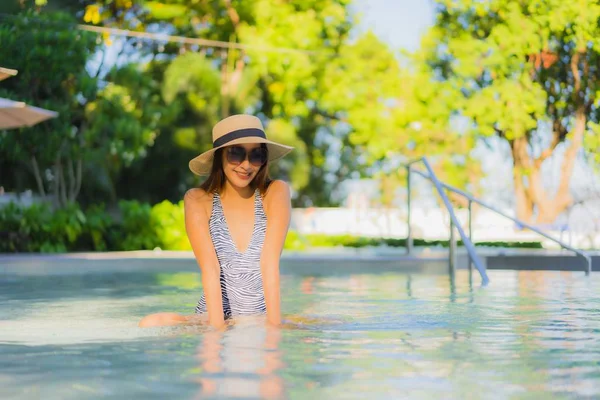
<point x="139" y="226"/>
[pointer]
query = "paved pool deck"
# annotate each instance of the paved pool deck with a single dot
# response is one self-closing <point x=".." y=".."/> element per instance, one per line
<point x="352" y="260"/>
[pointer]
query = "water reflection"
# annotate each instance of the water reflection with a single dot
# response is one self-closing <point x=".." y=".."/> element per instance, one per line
<point x="241" y="362"/>
<point x="358" y="335"/>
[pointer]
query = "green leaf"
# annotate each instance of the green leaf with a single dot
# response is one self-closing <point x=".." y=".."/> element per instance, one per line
<point x="164" y="11"/>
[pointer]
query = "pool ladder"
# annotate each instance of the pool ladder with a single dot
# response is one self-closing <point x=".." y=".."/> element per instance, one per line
<point x="474" y="259"/>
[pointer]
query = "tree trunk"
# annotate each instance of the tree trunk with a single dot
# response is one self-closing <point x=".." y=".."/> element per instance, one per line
<point x="38" y="176"/>
<point x="524" y="205"/>
<point x="521" y="164"/>
<point x="62" y="183"/>
<point x="71" y="174"/>
<point x="550" y="209"/>
<point x="224" y="83"/>
<point x="56" y="186"/>
<point x="233" y="64"/>
<point x="529" y="191"/>
<point x="78" y="177"/>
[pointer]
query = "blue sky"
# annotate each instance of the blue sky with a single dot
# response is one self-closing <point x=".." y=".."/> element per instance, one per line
<point x="398" y="22"/>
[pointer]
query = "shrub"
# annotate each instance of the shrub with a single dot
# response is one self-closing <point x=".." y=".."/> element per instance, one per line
<point x="38" y="229"/>
<point x="322" y="240"/>
<point x="97" y="229"/>
<point x="168" y="222"/>
<point x="294" y="241"/>
<point x="136" y="230"/>
<point x="141" y="227"/>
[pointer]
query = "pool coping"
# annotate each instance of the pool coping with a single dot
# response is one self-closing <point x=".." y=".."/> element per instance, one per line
<point x="328" y="253"/>
<point x="437" y="258"/>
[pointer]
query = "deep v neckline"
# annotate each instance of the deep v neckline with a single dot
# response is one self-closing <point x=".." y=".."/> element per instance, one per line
<point x="235" y="246"/>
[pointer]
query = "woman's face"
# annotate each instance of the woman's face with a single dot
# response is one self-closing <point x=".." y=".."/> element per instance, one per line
<point x="242" y="162"/>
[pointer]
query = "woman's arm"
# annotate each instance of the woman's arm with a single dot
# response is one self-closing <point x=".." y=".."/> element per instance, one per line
<point x="278" y="210"/>
<point x="196" y="225"/>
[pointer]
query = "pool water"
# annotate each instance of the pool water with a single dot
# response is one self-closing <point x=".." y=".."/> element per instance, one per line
<point x="527" y="335"/>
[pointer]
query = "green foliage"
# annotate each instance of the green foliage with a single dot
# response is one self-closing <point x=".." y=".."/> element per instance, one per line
<point x="526" y="72"/>
<point x="137" y="231"/>
<point x="592" y="144"/>
<point x="343" y="102"/>
<point x="122" y="125"/>
<point x="139" y="226"/>
<point x="194" y="75"/>
<point x="39" y="229"/>
<point x="297" y="163"/>
<point x="116" y="127"/>
<point x="161" y="170"/>
<point x="97" y="229"/>
<point x="296" y="241"/>
<point x="51" y="75"/>
<point x="100" y="128"/>
<point x="144" y="227"/>
<point x="168" y="220"/>
<point x="294" y="91"/>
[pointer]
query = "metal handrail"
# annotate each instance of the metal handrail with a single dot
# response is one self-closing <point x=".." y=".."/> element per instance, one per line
<point x="472" y="199"/>
<point x="455" y="223"/>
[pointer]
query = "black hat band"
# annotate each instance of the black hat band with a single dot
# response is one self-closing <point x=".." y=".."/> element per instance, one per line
<point x="233" y="135"/>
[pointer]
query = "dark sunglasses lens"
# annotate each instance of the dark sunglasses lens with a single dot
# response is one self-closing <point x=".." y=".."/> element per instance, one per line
<point x="258" y="156"/>
<point x="236" y="155"/>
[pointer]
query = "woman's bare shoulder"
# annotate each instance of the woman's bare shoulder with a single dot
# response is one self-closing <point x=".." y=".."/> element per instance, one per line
<point x="277" y="195"/>
<point x="197" y="197"/>
<point x="277" y="189"/>
<point x="197" y="194"/>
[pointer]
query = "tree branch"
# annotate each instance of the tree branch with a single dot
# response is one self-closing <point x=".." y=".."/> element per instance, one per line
<point x="72" y="183"/>
<point x="63" y="183"/>
<point x="101" y="63"/>
<point x="548" y="152"/>
<point x="563" y="197"/>
<point x="56" y="185"/>
<point x="500" y="133"/>
<point x="235" y="66"/>
<point x="78" y="175"/>
<point x="38" y="176"/>
<point x="576" y="76"/>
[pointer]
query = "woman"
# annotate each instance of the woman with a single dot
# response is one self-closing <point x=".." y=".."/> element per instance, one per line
<point x="236" y="222"/>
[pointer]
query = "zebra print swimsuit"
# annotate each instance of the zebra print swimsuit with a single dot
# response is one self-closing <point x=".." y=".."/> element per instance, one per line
<point x="241" y="279"/>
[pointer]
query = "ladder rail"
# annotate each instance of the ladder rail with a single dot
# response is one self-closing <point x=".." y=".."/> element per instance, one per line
<point x="431" y="176"/>
<point x="455" y="222"/>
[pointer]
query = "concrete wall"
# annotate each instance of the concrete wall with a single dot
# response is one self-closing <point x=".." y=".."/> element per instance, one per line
<point x="429" y="223"/>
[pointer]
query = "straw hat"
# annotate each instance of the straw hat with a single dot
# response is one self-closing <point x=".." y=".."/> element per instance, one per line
<point x="236" y="129"/>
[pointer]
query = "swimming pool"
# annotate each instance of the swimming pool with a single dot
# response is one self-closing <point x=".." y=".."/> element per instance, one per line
<point x="375" y="334"/>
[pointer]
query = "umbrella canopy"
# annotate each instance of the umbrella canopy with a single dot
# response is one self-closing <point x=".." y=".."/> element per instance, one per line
<point x="5" y="73"/>
<point x="15" y="114"/>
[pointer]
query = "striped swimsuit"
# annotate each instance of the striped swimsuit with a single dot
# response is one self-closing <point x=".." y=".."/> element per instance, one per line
<point x="241" y="279"/>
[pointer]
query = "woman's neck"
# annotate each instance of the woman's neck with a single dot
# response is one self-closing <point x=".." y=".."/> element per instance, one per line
<point x="245" y="192"/>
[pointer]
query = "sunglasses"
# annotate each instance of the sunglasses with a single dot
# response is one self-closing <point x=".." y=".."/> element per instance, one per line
<point x="237" y="154"/>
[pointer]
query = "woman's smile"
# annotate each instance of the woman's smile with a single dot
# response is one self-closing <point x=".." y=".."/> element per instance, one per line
<point x="244" y="175"/>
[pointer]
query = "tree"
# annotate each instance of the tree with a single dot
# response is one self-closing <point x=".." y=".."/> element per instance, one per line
<point x="283" y="61"/>
<point x="122" y="126"/>
<point x="526" y="72"/>
<point x="99" y="129"/>
<point x="275" y="67"/>
<point x="187" y="92"/>
<point x="393" y="114"/>
<point x="52" y="75"/>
